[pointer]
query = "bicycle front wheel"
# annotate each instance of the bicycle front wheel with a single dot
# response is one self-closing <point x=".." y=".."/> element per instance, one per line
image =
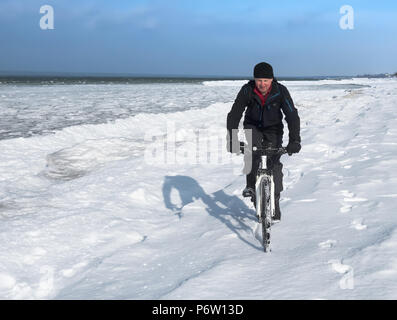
<point x="265" y="212"/>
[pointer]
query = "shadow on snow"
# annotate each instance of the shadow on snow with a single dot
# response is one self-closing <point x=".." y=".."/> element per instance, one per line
<point x="232" y="214"/>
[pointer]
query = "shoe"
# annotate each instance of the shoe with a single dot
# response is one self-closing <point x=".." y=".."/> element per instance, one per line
<point x="248" y="192"/>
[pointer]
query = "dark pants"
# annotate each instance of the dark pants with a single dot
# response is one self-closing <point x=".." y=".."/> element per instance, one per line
<point x="260" y="138"/>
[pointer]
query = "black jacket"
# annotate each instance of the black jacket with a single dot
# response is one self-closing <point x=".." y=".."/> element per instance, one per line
<point x="268" y="117"/>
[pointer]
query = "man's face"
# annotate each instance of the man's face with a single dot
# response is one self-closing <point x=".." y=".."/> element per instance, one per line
<point x="263" y="84"/>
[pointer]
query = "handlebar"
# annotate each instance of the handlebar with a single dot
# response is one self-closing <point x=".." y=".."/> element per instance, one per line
<point x="265" y="151"/>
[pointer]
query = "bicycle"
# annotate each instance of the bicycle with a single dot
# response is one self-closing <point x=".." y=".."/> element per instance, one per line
<point x="264" y="199"/>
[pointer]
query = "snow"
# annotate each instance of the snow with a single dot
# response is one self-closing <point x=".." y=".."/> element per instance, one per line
<point x="99" y="211"/>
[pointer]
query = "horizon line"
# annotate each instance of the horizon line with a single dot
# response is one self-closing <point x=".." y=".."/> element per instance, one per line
<point x="149" y="75"/>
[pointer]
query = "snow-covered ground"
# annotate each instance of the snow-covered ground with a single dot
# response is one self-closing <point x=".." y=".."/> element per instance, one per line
<point x="86" y="214"/>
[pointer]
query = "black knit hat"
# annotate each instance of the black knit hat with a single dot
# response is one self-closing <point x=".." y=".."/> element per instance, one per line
<point x="263" y="70"/>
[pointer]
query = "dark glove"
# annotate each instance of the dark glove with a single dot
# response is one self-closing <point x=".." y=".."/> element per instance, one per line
<point x="293" y="147"/>
<point x="233" y="145"/>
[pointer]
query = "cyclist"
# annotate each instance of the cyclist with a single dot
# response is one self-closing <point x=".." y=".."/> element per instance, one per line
<point x="263" y="99"/>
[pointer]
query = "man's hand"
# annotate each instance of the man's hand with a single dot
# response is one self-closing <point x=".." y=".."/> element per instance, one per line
<point x="293" y="147"/>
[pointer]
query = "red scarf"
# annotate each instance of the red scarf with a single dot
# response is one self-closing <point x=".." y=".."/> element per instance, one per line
<point x="260" y="95"/>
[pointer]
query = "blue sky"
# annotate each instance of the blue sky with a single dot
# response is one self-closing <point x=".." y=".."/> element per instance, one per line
<point x="186" y="37"/>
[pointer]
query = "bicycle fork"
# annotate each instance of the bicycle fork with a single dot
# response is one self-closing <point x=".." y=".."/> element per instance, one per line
<point x="264" y="178"/>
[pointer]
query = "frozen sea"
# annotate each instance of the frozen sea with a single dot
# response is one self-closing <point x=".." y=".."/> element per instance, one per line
<point x="93" y="206"/>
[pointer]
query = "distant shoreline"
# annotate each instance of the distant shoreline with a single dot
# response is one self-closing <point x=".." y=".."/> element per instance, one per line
<point x="64" y="78"/>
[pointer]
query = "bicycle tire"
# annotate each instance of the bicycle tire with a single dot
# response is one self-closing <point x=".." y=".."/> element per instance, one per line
<point x="266" y="213"/>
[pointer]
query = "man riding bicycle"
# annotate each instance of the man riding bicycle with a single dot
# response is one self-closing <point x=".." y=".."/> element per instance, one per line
<point x="262" y="100"/>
